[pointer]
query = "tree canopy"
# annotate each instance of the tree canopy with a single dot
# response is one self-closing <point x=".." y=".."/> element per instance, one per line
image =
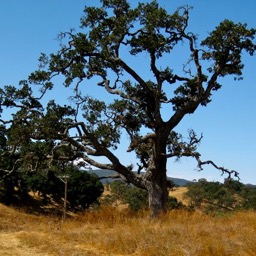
<point x="102" y="55"/>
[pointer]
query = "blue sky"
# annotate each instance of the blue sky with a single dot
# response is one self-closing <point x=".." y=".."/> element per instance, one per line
<point x="29" y="27"/>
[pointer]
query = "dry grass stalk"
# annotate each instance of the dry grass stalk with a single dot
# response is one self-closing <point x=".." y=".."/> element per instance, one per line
<point x="111" y="232"/>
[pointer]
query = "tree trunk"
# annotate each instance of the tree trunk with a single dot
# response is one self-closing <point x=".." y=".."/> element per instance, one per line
<point x="158" y="197"/>
<point x="157" y="186"/>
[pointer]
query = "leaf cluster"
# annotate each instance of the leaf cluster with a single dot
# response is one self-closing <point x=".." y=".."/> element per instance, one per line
<point x="226" y="45"/>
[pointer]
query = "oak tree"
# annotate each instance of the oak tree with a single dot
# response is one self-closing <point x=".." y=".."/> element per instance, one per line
<point x="114" y="46"/>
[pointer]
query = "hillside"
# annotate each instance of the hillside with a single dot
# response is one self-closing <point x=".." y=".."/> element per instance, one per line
<point x="105" y="173"/>
<point x="179" y="194"/>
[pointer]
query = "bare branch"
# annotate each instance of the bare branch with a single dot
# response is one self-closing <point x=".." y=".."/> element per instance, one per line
<point x="133" y="73"/>
<point x="222" y="169"/>
<point x="140" y="167"/>
<point x="113" y="90"/>
<point x="6" y="122"/>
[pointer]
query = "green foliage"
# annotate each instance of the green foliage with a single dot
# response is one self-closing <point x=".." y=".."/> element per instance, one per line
<point x="226" y="44"/>
<point x="173" y="203"/>
<point x="7" y="192"/>
<point x="8" y="180"/>
<point x="118" y="189"/>
<point x="46" y="183"/>
<point x="84" y="189"/>
<point x="249" y="195"/>
<point x="136" y="198"/>
<point x="215" y="196"/>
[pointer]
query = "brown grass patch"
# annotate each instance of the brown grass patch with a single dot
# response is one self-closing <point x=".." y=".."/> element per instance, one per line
<point x="179" y="194"/>
<point x="111" y="232"/>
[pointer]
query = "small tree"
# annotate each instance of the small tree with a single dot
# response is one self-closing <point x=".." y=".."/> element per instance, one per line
<point x="136" y="198"/>
<point x="84" y="189"/>
<point x="114" y="37"/>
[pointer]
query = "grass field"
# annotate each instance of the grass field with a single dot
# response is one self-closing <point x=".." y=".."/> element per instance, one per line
<point x="109" y="231"/>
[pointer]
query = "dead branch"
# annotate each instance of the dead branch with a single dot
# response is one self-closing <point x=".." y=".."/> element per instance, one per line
<point x="222" y="169"/>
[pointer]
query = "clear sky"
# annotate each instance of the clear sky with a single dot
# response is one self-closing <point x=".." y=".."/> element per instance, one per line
<point x="29" y="27"/>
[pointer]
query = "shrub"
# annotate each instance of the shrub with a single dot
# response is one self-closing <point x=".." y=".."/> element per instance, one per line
<point x="136" y="198"/>
<point x="173" y="203"/>
<point x="84" y="189"/>
<point x="215" y="196"/>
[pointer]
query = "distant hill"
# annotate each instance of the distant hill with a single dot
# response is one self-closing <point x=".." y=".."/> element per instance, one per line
<point x="103" y="173"/>
<point x="250" y="185"/>
<point x="180" y="182"/>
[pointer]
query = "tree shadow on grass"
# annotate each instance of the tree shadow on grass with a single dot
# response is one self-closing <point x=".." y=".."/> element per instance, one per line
<point x="37" y="205"/>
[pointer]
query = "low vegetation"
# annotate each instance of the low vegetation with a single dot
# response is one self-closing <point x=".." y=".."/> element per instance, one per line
<point x="216" y="197"/>
<point x="84" y="188"/>
<point x="134" y="198"/>
<point x="109" y="231"/>
<point x="121" y="225"/>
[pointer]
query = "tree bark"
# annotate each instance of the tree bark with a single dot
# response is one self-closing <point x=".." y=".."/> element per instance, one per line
<point x="158" y="197"/>
<point x="157" y="180"/>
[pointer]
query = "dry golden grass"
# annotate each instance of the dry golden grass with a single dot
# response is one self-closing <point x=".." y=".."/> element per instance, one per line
<point x="113" y="232"/>
<point x="179" y="194"/>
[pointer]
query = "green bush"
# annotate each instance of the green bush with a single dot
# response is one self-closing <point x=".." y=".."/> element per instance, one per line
<point x="249" y="195"/>
<point x="84" y="189"/>
<point x="6" y="192"/>
<point x="136" y="198"/>
<point x="215" y="196"/>
<point x="12" y="188"/>
<point x="173" y="203"/>
<point x="47" y="184"/>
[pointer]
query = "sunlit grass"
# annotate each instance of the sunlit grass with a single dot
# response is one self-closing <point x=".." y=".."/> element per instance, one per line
<point x="108" y="231"/>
